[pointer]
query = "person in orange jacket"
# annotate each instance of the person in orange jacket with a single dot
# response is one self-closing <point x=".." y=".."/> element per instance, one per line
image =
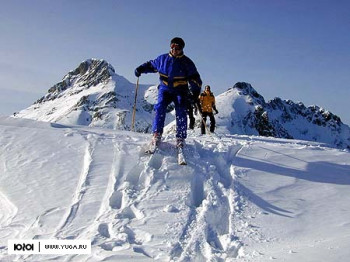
<point x="207" y="102"/>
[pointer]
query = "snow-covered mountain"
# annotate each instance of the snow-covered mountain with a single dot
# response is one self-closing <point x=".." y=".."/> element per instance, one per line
<point x="240" y="198"/>
<point x="94" y="95"/>
<point x="244" y="111"/>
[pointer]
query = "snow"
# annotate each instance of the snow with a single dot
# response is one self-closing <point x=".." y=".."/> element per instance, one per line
<point x="240" y="198"/>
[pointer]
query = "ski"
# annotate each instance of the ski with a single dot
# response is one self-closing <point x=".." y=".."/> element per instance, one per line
<point x="151" y="149"/>
<point x="181" y="156"/>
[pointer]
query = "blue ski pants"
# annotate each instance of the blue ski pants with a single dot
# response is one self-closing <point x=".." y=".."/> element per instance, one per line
<point x="165" y="97"/>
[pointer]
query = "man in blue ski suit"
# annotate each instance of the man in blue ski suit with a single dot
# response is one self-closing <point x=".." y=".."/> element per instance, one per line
<point x="176" y="71"/>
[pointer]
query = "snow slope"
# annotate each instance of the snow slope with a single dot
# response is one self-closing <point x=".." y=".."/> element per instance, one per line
<point x="241" y="198"/>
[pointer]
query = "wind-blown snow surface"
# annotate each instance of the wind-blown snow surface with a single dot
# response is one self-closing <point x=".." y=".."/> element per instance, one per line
<point x="240" y="198"/>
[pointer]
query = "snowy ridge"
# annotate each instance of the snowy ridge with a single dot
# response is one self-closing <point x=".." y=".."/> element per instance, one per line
<point x="240" y="198"/>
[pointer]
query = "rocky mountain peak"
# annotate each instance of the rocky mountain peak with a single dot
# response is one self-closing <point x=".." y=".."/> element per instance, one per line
<point x="89" y="73"/>
<point x="245" y="89"/>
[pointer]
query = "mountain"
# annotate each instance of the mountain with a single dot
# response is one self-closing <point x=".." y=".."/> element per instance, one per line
<point x="94" y="95"/>
<point x="240" y="198"/>
<point x="244" y="111"/>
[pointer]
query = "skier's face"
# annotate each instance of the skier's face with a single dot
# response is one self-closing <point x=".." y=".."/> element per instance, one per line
<point x="175" y="50"/>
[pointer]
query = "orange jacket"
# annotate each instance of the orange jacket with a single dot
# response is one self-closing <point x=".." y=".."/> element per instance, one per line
<point x="207" y="101"/>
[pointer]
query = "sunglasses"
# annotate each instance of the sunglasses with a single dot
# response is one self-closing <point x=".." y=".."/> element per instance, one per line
<point x="176" y="47"/>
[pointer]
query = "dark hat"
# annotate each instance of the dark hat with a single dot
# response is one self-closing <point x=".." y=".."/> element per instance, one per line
<point x="178" y="41"/>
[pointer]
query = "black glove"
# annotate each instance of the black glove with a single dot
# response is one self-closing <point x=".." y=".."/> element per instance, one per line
<point x="215" y="110"/>
<point x="137" y="72"/>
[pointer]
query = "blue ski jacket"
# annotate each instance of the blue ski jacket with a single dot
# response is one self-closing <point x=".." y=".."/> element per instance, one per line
<point x="175" y="73"/>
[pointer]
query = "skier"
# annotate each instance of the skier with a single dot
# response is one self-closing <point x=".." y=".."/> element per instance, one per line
<point x="176" y="71"/>
<point x="207" y="102"/>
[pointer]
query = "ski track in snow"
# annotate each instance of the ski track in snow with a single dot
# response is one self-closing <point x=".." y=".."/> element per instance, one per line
<point x="136" y="180"/>
<point x="112" y="194"/>
<point x="147" y="180"/>
<point x="7" y="213"/>
<point x="93" y="191"/>
<point x="203" y="226"/>
<point x="131" y="184"/>
<point x="79" y="196"/>
<point x="122" y="198"/>
<point x="115" y="190"/>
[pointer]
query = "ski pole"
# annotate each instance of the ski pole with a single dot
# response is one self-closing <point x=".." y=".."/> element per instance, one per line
<point x="134" y="108"/>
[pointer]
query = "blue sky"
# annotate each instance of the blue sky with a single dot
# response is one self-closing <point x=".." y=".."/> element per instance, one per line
<point x="296" y="49"/>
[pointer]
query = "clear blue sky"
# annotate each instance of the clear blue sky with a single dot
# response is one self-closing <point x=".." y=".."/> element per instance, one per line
<point x="296" y="49"/>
